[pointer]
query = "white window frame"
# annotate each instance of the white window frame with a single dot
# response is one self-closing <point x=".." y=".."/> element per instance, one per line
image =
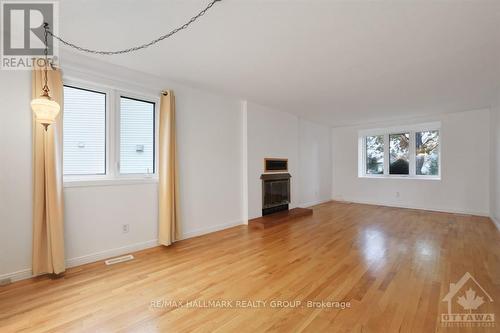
<point x="107" y="92"/>
<point x="113" y="175"/>
<point x="118" y="95"/>
<point x="411" y="129"/>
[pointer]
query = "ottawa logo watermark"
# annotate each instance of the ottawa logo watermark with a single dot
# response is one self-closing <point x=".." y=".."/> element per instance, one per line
<point x="468" y="305"/>
<point x="23" y="39"/>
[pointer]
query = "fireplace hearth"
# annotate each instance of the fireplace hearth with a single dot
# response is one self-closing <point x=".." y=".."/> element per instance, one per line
<point x="275" y="192"/>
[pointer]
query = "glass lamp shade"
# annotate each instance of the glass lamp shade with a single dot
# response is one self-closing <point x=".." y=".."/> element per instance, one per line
<point x="45" y="109"/>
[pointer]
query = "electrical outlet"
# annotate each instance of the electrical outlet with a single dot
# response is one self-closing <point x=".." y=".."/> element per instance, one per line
<point x="125" y="228"/>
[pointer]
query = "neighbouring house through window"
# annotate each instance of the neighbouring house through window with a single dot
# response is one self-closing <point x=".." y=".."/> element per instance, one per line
<point x="108" y="134"/>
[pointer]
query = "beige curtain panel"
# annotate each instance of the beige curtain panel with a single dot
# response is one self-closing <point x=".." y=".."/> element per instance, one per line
<point x="169" y="224"/>
<point x="48" y="224"/>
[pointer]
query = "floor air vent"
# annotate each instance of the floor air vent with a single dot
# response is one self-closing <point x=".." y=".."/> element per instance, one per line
<point x="119" y="259"/>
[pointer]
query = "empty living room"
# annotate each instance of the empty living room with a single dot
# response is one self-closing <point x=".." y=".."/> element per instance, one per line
<point x="250" y="166"/>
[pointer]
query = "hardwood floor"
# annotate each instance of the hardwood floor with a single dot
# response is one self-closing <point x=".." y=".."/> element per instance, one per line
<point x="393" y="265"/>
<point x="269" y="221"/>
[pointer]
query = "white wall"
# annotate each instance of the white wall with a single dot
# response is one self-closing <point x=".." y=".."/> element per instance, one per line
<point x="94" y="216"/>
<point x="210" y="163"/>
<point x="495" y="163"/>
<point x="315" y="163"/>
<point x="465" y="158"/>
<point x="221" y="149"/>
<point x="209" y="147"/>
<point x="15" y="171"/>
<point x="272" y="133"/>
<point x="208" y="135"/>
<point x="222" y="146"/>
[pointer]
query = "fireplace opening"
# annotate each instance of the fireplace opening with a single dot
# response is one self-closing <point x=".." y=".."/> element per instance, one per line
<point x="275" y="192"/>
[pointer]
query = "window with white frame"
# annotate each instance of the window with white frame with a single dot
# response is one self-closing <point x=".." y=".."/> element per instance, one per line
<point x="374" y="154"/>
<point x="84" y="128"/>
<point x="108" y="134"/>
<point x="412" y="152"/>
<point x="137" y="136"/>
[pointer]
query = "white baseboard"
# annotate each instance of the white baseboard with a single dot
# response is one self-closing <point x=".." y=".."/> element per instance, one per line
<point x="314" y="203"/>
<point x="142" y="246"/>
<point x="203" y="231"/>
<point x="495" y="221"/>
<point x="102" y="255"/>
<point x="397" y="205"/>
<point x="89" y="258"/>
<point x="86" y="259"/>
<point x="17" y="276"/>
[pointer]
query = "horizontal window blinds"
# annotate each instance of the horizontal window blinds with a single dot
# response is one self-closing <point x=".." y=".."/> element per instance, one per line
<point x="84" y="132"/>
<point x="137" y="129"/>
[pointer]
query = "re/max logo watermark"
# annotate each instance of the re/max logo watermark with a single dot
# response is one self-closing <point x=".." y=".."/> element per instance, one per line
<point x="23" y="39"/>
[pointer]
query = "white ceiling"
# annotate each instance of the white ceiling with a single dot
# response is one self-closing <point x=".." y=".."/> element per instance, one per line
<point x="336" y="62"/>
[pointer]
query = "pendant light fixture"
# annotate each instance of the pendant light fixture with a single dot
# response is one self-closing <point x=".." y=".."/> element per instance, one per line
<point x="44" y="108"/>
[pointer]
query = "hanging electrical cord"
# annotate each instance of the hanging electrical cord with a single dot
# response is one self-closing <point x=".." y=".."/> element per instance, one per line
<point x="135" y="48"/>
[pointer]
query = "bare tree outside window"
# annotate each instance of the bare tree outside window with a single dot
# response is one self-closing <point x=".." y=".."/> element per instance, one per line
<point x="399" y="145"/>
<point x="375" y="155"/>
<point x="415" y="153"/>
<point x="427" y="153"/>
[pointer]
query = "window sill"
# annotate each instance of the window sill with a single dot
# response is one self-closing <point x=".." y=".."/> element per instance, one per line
<point x="82" y="182"/>
<point x="401" y="177"/>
